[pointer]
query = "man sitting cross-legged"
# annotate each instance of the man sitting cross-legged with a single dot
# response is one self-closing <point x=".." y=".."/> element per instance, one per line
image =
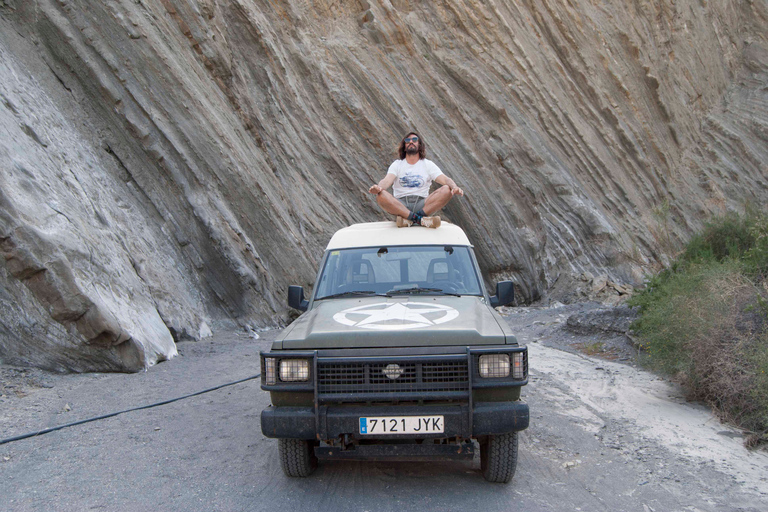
<point x="411" y="176"/>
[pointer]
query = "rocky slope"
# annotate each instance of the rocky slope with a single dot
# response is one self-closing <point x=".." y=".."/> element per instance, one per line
<point x="168" y="167"/>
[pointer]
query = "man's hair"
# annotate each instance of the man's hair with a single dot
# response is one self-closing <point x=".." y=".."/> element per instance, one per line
<point x="422" y="146"/>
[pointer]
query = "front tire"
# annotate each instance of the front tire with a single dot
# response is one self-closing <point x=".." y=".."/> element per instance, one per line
<point x="297" y="457"/>
<point x="498" y="457"/>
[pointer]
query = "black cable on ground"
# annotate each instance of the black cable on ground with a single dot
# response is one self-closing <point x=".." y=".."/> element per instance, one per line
<point x="53" y="429"/>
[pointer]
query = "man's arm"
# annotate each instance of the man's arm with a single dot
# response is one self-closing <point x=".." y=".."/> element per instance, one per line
<point x="384" y="184"/>
<point x="445" y="180"/>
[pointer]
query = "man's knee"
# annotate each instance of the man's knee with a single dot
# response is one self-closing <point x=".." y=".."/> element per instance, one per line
<point x="386" y="201"/>
<point x="445" y="192"/>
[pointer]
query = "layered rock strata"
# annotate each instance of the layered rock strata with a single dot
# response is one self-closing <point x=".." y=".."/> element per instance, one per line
<point x="168" y="166"/>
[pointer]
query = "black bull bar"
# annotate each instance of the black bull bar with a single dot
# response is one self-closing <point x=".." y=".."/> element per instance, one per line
<point x="337" y="407"/>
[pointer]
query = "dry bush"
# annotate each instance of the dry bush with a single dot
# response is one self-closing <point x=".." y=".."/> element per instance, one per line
<point x="707" y="328"/>
<point x="724" y="370"/>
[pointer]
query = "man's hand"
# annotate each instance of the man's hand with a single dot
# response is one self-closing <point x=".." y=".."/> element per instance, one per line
<point x="375" y="189"/>
<point x="457" y="191"/>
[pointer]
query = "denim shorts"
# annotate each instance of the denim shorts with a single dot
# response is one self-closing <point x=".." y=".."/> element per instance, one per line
<point x="413" y="203"/>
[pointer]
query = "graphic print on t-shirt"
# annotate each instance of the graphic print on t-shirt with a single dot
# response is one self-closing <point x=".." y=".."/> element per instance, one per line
<point x="411" y="181"/>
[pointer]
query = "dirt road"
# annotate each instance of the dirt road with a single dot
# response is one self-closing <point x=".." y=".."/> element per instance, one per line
<point x="604" y="436"/>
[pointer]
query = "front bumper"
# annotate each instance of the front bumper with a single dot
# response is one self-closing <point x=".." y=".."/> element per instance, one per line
<point x="330" y="422"/>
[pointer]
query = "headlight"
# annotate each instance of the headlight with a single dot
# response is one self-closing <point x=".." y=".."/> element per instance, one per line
<point x="518" y="365"/>
<point x="270" y="376"/>
<point x="494" y="366"/>
<point x="294" y="370"/>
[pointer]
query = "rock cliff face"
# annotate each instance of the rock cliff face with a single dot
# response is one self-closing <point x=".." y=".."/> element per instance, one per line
<point x="168" y="166"/>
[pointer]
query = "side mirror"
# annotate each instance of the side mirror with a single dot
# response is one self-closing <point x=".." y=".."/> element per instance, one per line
<point x="505" y="294"/>
<point x="296" y="298"/>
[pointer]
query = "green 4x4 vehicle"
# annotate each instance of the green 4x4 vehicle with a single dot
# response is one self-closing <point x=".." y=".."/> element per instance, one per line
<point x="399" y="355"/>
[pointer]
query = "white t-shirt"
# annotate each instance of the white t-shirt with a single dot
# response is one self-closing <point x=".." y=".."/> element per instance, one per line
<point x="413" y="180"/>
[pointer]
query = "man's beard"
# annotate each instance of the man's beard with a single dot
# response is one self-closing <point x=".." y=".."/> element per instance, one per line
<point x="411" y="150"/>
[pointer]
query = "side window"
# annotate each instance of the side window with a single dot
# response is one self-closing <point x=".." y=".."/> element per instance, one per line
<point x="362" y="272"/>
<point x="424" y="263"/>
<point x="329" y="275"/>
<point x="440" y="271"/>
<point x="463" y="273"/>
<point x="386" y="271"/>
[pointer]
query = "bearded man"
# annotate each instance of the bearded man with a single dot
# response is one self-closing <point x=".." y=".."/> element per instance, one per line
<point x="411" y="176"/>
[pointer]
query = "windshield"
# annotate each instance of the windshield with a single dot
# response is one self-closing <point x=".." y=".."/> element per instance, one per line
<point x="399" y="270"/>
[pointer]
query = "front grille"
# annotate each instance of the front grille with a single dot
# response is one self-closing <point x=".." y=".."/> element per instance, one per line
<point x="415" y="377"/>
<point x="449" y="371"/>
<point x="378" y="377"/>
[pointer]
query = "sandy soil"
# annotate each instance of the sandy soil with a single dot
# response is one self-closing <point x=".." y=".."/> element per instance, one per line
<point x="610" y="384"/>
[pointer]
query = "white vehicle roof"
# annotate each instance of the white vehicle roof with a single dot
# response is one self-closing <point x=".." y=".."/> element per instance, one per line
<point x="372" y="234"/>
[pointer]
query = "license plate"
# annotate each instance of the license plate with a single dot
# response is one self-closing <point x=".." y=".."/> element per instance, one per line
<point x="402" y="425"/>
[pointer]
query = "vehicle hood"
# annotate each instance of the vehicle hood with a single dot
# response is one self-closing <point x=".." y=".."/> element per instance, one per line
<point x="413" y="321"/>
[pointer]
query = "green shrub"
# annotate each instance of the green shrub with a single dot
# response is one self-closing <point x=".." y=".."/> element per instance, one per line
<point x="677" y="311"/>
<point x="757" y="358"/>
<point x="704" y="320"/>
<point x="724" y="237"/>
<point x="756" y="257"/>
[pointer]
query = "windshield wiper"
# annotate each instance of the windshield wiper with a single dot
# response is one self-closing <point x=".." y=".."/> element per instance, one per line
<point x="352" y="294"/>
<point x="421" y="290"/>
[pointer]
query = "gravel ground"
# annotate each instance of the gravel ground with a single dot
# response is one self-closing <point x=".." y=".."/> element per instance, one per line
<point x="604" y="435"/>
<point x="585" y="327"/>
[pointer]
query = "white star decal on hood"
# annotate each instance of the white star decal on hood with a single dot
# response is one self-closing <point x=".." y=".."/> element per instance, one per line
<point x="398" y="316"/>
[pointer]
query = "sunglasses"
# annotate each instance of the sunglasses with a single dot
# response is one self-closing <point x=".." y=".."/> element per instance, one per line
<point x="411" y="139"/>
